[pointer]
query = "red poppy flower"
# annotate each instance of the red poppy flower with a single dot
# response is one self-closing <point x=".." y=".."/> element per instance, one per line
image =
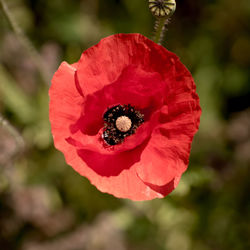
<point x="125" y="115"/>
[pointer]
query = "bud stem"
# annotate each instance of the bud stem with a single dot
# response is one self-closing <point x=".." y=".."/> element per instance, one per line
<point x="160" y="29"/>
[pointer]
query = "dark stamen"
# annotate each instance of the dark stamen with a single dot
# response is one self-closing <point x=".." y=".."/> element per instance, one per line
<point x="112" y="134"/>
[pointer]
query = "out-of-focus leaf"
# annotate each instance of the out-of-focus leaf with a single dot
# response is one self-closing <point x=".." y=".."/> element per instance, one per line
<point x="15" y="99"/>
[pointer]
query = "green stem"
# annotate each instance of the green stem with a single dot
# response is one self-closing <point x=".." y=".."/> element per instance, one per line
<point x="26" y="43"/>
<point x="18" y="138"/>
<point x="160" y="29"/>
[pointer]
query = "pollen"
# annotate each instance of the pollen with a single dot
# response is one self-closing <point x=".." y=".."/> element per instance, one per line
<point x="123" y="123"/>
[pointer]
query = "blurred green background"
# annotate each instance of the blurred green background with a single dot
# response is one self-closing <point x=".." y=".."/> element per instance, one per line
<point x="45" y="205"/>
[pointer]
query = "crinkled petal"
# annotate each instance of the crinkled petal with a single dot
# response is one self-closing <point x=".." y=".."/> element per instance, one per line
<point x="167" y="153"/>
<point x="101" y="170"/>
<point x="62" y="113"/>
<point x="141" y="89"/>
<point x="126" y="69"/>
<point x="167" y="188"/>
<point x="163" y="159"/>
<point x="103" y="63"/>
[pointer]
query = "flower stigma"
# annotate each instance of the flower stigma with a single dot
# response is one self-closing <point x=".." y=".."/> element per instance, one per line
<point x="123" y="123"/>
<point x="120" y="121"/>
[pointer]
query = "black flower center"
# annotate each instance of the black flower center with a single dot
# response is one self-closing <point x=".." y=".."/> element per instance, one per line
<point x="120" y="122"/>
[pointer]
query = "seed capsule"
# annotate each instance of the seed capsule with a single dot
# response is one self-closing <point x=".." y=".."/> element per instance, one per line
<point x="123" y="123"/>
<point x="162" y="8"/>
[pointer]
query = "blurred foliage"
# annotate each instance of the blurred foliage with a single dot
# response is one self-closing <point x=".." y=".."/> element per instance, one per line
<point x="45" y="205"/>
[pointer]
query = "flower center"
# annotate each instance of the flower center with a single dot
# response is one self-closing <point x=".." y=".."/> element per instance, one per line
<point x="123" y="123"/>
<point x="120" y="121"/>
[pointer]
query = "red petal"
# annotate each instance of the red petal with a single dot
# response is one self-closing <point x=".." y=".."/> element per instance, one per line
<point x="114" y="174"/>
<point x="63" y="114"/>
<point x="103" y="63"/>
<point x="63" y="93"/>
<point x="143" y="90"/>
<point x="167" y="188"/>
<point x="167" y="153"/>
<point x="163" y="160"/>
<point x="126" y="69"/>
